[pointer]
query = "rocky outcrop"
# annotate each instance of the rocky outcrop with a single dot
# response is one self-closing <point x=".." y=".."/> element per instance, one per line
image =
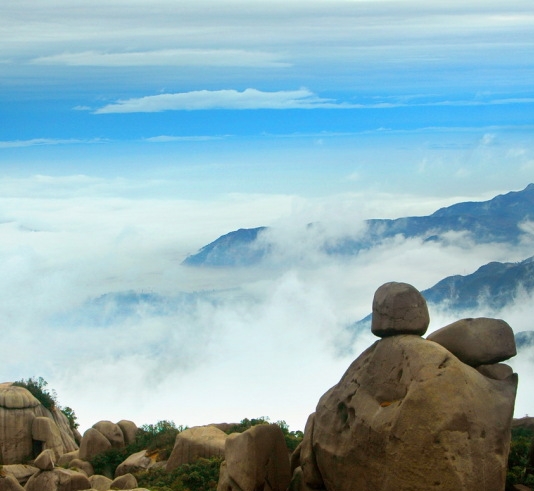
<point x="256" y="460"/>
<point x="408" y="414"/>
<point x="194" y="443"/>
<point x="105" y="435"/>
<point x="27" y="427"/>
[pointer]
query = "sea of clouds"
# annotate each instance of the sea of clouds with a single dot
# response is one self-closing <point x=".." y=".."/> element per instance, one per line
<point x="94" y="298"/>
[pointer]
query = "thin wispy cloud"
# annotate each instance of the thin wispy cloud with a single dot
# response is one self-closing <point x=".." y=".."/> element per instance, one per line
<point x="251" y="99"/>
<point x="46" y="141"/>
<point x="167" y="57"/>
<point x="220" y="99"/>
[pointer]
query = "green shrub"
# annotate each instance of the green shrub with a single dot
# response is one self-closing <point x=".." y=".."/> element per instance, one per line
<point x="36" y="386"/>
<point x="202" y="475"/>
<point x="519" y="470"/>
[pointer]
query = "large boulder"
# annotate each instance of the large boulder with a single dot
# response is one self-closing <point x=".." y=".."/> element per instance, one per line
<point x="256" y="460"/>
<point x="398" y="308"/>
<point x="45" y="461"/>
<point x="129" y="430"/>
<point x="194" y="443"/>
<point x="58" y="480"/>
<point x="480" y="341"/>
<point x="127" y="481"/>
<point x="100" y="483"/>
<point x="408" y="415"/>
<point x="20" y="439"/>
<point x="112" y="432"/>
<point x="135" y="462"/>
<point x="93" y="443"/>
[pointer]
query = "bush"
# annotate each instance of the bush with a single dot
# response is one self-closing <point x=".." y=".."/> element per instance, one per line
<point x="202" y="475"/>
<point x="519" y="458"/>
<point x="158" y="438"/>
<point x="36" y="386"/>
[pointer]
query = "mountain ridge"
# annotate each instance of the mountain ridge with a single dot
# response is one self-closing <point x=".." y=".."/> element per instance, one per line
<point x="496" y="220"/>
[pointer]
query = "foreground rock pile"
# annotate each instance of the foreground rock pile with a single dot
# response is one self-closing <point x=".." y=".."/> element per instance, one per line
<point x="409" y="414"/>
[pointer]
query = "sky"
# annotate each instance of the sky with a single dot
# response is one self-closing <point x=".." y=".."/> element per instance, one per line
<point x="133" y="133"/>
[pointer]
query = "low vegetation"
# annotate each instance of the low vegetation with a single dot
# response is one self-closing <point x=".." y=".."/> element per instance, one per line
<point x="521" y="458"/>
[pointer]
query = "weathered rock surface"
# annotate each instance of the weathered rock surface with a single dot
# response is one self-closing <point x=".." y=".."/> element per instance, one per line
<point x="65" y="459"/>
<point x="45" y="430"/>
<point x="100" y="483"/>
<point x="93" y="443"/>
<point x="45" y="461"/>
<point x="256" y="460"/>
<point x="398" y="308"/>
<point x="58" y="480"/>
<point x="135" y="462"/>
<point x="82" y="466"/>
<point x="127" y="481"/>
<point x="497" y="371"/>
<point x="18" y="410"/>
<point x="9" y="483"/>
<point x="112" y="432"/>
<point x="20" y="472"/>
<point x="480" y="341"/>
<point x="129" y="430"/>
<point x="194" y="443"/>
<point x="409" y="416"/>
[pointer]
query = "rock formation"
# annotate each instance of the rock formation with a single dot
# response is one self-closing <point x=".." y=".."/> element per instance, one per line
<point x="256" y="460"/>
<point x="409" y="414"/>
<point x="27" y="427"/>
<point x="194" y="443"/>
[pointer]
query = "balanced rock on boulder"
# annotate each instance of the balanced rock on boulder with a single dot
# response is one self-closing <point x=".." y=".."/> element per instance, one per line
<point x="398" y="308"/>
<point x="408" y="414"/>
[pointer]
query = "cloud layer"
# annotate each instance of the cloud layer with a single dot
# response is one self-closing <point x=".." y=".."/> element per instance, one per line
<point x="214" y="345"/>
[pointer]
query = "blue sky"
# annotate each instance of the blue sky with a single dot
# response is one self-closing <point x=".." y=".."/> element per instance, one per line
<point x="245" y="85"/>
<point x="133" y="134"/>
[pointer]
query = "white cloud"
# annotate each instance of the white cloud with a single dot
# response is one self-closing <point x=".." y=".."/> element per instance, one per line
<point x="170" y="138"/>
<point x="257" y="99"/>
<point x="167" y="57"/>
<point x="220" y="99"/>
<point x="262" y="342"/>
<point x="47" y="141"/>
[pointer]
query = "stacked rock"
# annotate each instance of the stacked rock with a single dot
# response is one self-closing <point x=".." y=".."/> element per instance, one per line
<point x="410" y="414"/>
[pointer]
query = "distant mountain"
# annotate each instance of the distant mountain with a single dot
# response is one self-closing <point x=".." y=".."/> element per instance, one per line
<point x="492" y="287"/>
<point x="233" y="249"/>
<point x="496" y="220"/>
